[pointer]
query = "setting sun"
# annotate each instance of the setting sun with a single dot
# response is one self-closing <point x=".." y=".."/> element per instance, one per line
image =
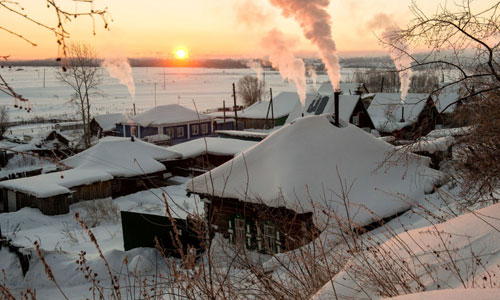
<point x="180" y="53"/>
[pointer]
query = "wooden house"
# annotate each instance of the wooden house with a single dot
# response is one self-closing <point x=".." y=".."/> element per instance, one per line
<point x="351" y="109"/>
<point x="112" y="168"/>
<point x="280" y="194"/>
<point x="267" y="114"/>
<point x="105" y="125"/>
<point x="417" y="115"/>
<point x="202" y="155"/>
<point x="178" y="122"/>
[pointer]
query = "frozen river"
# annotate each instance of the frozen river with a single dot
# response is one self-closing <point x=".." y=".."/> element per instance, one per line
<point x="207" y="87"/>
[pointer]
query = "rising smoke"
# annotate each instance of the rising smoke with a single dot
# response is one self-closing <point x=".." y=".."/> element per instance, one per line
<point x="399" y="50"/>
<point x="314" y="76"/>
<point x="120" y="68"/>
<point x="256" y="66"/>
<point x="316" y="23"/>
<point x="290" y="67"/>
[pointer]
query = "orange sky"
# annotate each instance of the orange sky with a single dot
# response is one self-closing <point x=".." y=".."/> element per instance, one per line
<point x="204" y="28"/>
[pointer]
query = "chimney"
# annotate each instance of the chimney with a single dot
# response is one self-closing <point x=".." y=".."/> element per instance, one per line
<point x="402" y="114"/>
<point x="336" y="97"/>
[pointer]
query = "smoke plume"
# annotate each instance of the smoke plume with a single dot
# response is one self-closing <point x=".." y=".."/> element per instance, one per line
<point x="314" y="77"/>
<point x="281" y="57"/>
<point x="120" y="68"/>
<point x="316" y="26"/>
<point x="251" y="14"/>
<point x="399" y="50"/>
<point x="256" y="67"/>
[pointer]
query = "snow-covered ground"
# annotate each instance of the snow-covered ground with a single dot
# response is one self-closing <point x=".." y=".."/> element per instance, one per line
<point x="207" y="87"/>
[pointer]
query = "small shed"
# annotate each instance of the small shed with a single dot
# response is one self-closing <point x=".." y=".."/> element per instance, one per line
<point x="178" y="122"/>
<point x="263" y="115"/>
<point x="271" y="199"/>
<point x="390" y="115"/>
<point x="351" y="108"/>
<point x="201" y="155"/>
<point x="53" y="193"/>
<point x="105" y="125"/>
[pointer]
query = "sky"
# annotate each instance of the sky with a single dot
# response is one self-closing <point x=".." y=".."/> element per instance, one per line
<point x="205" y="29"/>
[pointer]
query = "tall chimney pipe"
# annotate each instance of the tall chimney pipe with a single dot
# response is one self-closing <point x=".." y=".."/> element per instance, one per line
<point x="402" y="114"/>
<point x="336" y="98"/>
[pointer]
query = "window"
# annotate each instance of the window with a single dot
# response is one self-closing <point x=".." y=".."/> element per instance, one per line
<point x="195" y="129"/>
<point x="180" y="131"/>
<point x="204" y="128"/>
<point x="132" y="131"/>
<point x="355" y="120"/>
<point x="239" y="226"/>
<point x="269" y="238"/>
<point x="169" y="131"/>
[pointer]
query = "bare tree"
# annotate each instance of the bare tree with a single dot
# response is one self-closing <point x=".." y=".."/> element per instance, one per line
<point x="4" y="120"/>
<point x="80" y="72"/>
<point x="464" y="43"/>
<point x="63" y="17"/>
<point x="250" y="89"/>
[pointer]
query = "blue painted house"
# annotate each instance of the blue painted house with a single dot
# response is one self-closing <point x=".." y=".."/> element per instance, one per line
<point x="178" y="122"/>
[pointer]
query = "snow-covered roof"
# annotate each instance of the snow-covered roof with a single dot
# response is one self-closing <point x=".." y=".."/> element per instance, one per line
<point x="108" y="122"/>
<point x="475" y="232"/>
<point x="214" y="145"/>
<point x="121" y="157"/>
<point x="283" y="104"/>
<point x="53" y="184"/>
<point x="303" y="158"/>
<point x="169" y="114"/>
<point x="445" y="100"/>
<point x="347" y="88"/>
<point x="244" y="133"/>
<point x="321" y="104"/>
<point x="385" y="110"/>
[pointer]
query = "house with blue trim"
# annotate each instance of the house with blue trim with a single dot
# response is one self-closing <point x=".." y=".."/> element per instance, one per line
<point x="178" y="122"/>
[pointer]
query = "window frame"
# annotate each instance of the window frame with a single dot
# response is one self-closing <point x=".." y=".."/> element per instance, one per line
<point x="195" y="129"/>
<point x="177" y="132"/>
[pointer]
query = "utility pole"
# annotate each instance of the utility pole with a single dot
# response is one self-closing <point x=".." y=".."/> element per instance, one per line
<point x="164" y="82"/>
<point x="224" y="113"/>
<point x="272" y="105"/>
<point x="134" y="109"/>
<point x="235" y="110"/>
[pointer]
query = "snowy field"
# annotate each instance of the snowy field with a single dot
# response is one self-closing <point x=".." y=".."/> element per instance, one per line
<point x="207" y="87"/>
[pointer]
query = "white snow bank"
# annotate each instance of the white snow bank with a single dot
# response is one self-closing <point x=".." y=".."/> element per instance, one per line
<point x="169" y="114"/>
<point x="450" y="132"/>
<point x="385" y="110"/>
<point x="455" y="294"/>
<point x="430" y="145"/>
<point x="214" y="145"/>
<point x="243" y="133"/>
<point x="108" y="122"/>
<point x="283" y="104"/>
<point x="462" y="251"/>
<point x="122" y="157"/>
<point x="53" y="184"/>
<point x="304" y="158"/>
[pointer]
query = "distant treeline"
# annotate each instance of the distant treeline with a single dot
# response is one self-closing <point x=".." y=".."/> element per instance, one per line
<point x="144" y="62"/>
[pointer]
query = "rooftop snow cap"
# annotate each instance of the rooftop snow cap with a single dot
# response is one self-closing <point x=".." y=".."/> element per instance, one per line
<point x="169" y="114"/>
<point x="122" y="157"/>
<point x="309" y="162"/>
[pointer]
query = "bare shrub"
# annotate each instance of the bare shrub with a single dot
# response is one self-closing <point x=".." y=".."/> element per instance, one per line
<point x="100" y="211"/>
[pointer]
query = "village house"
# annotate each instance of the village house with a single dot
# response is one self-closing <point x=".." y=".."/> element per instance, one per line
<point x="105" y="125"/>
<point x="346" y="88"/>
<point x="268" y="114"/>
<point x="310" y="160"/>
<point x="178" y="122"/>
<point x="202" y="155"/>
<point x="113" y="167"/>
<point x="351" y="109"/>
<point x="417" y="115"/>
